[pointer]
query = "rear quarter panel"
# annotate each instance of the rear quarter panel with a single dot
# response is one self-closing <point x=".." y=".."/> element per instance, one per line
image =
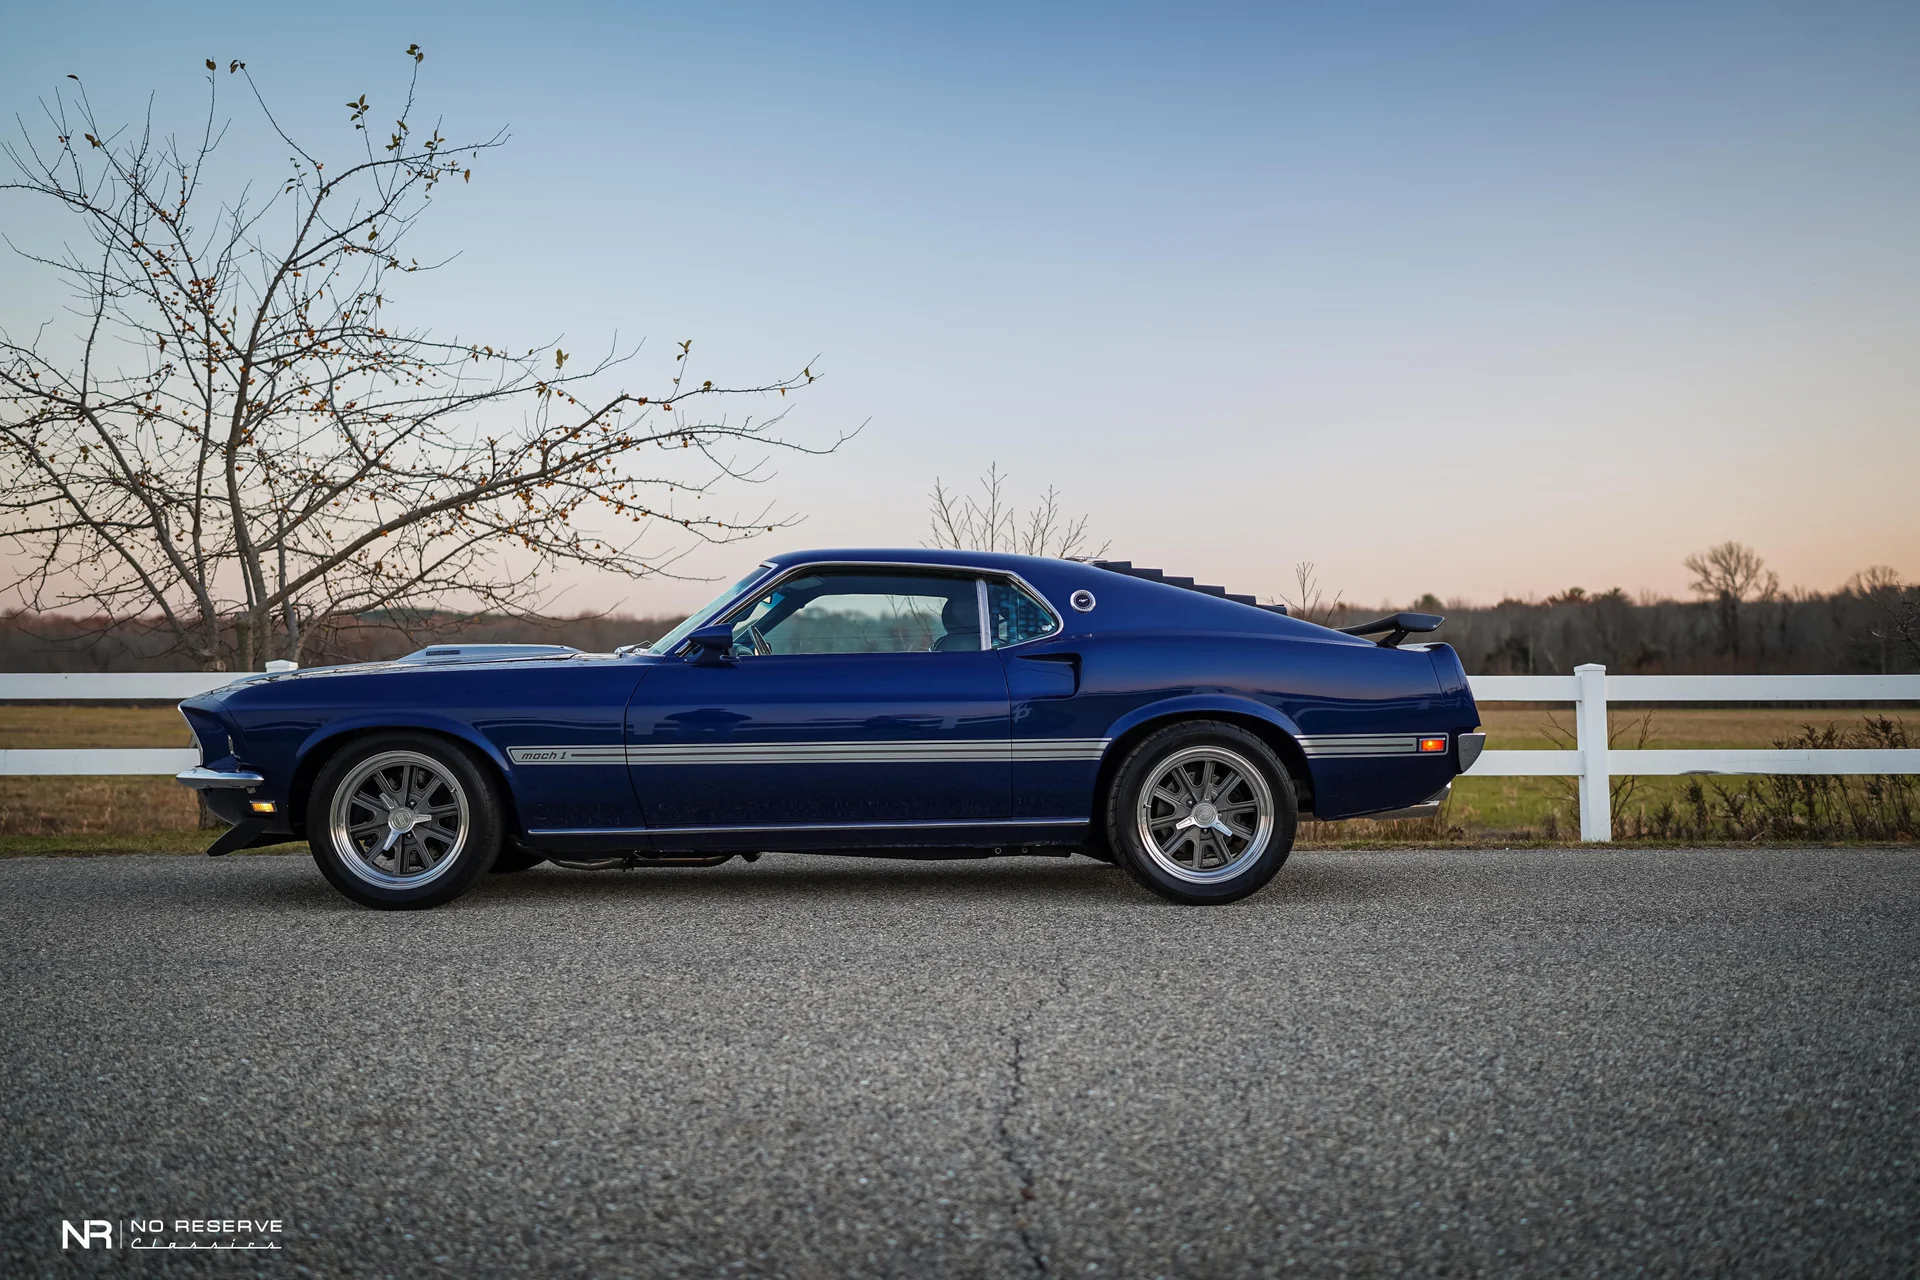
<point x="1301" y="685"/>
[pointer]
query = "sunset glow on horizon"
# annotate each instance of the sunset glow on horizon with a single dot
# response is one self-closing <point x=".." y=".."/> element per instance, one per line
<point x="1482" y="301"/>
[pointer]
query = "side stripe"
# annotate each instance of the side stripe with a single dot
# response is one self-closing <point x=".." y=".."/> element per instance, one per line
<point x="932" y="752"/>
<point x="804" y="828"/>
<point x="1342" y="745"/>
<point x="1365" y="744"/>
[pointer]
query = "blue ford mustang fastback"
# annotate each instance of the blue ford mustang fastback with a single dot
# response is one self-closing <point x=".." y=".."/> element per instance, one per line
<point x="919" y="704"/>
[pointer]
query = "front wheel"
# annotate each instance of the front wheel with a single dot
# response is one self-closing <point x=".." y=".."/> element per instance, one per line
<point x="403" y="820"/>
<point x="1201" y="812"/>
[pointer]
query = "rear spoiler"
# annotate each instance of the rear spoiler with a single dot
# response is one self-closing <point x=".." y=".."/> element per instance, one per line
<point x="1399" y="626"/>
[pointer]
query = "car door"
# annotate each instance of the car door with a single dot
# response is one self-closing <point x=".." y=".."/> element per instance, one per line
<point x="857" y="698"/>
<point x="1056" y="737"/>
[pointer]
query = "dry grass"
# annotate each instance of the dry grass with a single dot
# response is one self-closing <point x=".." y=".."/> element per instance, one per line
<point x="91" y="724"/>
<point x="1524" y="728"/>
<point x="95" y="805"/>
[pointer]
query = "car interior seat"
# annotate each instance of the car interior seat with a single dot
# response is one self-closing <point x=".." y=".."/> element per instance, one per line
<point x="960" y="617"/>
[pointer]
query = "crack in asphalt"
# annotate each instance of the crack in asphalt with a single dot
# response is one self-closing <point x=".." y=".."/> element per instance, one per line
<point x="1009" y="1148"/>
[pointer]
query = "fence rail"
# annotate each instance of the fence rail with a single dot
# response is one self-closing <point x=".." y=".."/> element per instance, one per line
<point x="109" y="686"/>
<point x="1589" y="689"/>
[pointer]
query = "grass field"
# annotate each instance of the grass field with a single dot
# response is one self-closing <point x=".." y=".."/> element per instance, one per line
<point x="98" y="814"/>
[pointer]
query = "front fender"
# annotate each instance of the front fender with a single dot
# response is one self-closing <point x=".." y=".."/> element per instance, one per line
<point x="320" y="741"/>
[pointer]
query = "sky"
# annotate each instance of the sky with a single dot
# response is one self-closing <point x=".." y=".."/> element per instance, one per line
<point x="1478" y="300"/>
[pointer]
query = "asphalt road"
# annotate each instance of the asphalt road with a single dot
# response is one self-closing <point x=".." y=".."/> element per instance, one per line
<point x="1464" y="1063"/>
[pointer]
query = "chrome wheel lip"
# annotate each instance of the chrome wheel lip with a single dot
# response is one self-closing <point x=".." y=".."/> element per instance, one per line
<point x="1244" y="848"/>
<point x="381" y="829"/>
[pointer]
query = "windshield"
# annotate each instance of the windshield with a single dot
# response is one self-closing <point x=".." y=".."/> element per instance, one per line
<point x="667" y="643"/>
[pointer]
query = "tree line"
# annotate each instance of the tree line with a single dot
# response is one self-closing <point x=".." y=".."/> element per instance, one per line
<point x="1867" y="626"/>
<point x="1741" y="621"/>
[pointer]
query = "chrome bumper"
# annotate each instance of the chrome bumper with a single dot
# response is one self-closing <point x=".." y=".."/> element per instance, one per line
<point x="201" y="778"/>
<point x="1471" y="745"/>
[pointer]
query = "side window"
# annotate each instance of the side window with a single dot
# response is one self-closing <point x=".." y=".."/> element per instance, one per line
<point x="1014" y="616"/>
<point x="862" y="611"/>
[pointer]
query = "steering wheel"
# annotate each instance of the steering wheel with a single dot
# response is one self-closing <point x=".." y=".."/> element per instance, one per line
<point x="761" y="648"/>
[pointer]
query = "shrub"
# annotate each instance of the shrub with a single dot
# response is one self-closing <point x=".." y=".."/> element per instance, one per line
<point x="1794" y="806"/>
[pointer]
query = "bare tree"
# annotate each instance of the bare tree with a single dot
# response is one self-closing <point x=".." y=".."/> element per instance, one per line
<point x="1896" y="604"/>
<point x="1874" y="580"/>
<point x="1309" y="599"/>
<point x="1731" y="574"/>
<point x="239" y="441"/>
<point x="1902" y="623"/>
<point x="990" y="523"/>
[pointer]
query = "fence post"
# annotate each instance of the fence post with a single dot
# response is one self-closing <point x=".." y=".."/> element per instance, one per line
<point x="1590" y="737"/>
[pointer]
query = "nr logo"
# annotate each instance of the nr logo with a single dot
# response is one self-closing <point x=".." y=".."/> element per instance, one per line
<point x="86" y="1234"/>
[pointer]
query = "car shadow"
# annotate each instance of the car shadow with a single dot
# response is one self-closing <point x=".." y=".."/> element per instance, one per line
<point x="778" y="878"/>
<point x="802" y="876"/>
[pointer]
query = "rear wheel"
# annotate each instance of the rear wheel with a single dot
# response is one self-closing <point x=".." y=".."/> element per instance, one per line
<point x="1201" y="812"/>
<point x="403" y="820"/>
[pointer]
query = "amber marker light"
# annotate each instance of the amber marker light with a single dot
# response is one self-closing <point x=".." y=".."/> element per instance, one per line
<point x="266" y="806"/>
<point x="1426" y="744"/>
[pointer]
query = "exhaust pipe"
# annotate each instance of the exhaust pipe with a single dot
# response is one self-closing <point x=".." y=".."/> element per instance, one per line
<point x="629" y="860"/>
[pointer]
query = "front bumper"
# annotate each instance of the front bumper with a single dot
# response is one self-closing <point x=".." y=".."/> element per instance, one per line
<point x="231" y="793"/>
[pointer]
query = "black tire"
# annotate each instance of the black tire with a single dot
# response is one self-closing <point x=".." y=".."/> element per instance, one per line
<point x="395" y="867"/>
<point x="1251" y="820"/>
<point x="512" y="859"/>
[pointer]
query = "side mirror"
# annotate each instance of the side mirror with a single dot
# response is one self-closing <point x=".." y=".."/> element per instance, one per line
<point x="710" y="646"/>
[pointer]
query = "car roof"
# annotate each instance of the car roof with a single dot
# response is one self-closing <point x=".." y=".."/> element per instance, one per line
<point x="997" y="560"/>
<point x="1127" y="601"/>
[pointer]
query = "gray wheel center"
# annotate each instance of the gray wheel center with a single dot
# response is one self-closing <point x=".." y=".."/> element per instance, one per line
<point x="1205" y="815"/>
<point x="402" y="819"/>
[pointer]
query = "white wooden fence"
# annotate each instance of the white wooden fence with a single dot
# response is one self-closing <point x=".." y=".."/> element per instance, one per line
<point x="1589" y="689"/>
<point x="108" y="686"/>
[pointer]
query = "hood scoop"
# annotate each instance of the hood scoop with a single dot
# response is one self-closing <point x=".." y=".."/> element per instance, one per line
<point x="439" y="653"/>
